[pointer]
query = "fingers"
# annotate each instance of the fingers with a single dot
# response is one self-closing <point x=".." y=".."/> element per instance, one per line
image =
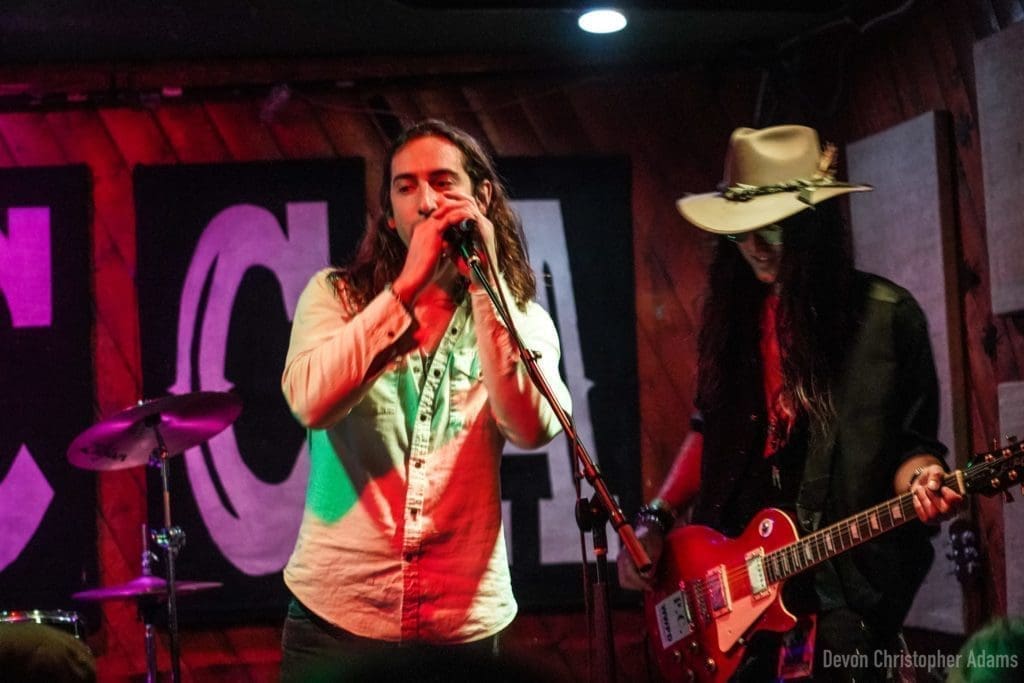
<point x="629" y="577"/>
<point x="934" y="502"/>
<point x="454" y="207"/>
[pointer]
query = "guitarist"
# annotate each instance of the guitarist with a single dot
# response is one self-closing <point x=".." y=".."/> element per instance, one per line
<point x="816" y="393"/>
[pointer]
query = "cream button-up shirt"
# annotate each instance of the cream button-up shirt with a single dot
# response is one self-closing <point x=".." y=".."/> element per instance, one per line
<point x="401" y="536"/>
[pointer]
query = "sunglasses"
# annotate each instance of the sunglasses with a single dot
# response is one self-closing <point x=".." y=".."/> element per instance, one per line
<point x="770" y="235"/>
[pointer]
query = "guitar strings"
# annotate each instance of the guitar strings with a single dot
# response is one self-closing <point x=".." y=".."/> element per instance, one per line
<point x="840" y="531"/>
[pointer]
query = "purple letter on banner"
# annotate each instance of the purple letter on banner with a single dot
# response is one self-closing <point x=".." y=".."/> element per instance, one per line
<point x="25" y="283"/>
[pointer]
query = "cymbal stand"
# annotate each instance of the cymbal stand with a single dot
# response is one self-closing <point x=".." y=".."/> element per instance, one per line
<point x="171" y="539"/>
<point x="147" y="610"/>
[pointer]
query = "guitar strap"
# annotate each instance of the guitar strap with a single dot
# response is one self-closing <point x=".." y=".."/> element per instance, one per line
<point x="814" y="485"/>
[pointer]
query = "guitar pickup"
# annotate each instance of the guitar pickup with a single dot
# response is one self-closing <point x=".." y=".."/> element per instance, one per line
<point x="755" y="573"/>
<point x="716" y="590"/>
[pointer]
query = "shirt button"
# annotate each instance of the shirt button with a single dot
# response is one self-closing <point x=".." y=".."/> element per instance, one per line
<point x="409" y="557"/>
<point x="437" y="373"/>
<point x="423" y="417"/>
<point x="418" y="464"/>
<point x="455" y="330"/>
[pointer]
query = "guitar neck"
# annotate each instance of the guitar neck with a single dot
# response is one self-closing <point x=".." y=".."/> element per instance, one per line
<point x="824" y="544"/>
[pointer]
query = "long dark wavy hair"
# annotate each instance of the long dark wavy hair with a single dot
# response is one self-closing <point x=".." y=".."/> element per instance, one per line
<point x="381" y="253"/>
<point x="816" y="317"/>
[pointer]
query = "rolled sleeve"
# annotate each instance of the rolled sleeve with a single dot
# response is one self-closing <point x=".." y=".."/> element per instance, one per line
<point x="522" y="413"/>
<point x="333" y="354"/>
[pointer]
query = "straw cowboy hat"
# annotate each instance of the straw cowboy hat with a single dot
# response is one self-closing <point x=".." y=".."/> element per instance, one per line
<point x="770" y="174"/>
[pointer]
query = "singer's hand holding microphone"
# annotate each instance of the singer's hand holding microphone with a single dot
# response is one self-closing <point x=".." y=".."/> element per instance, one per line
<point x="469" y="235"/>
<point x="464" y="248"/>
<point x="436" y="242"/>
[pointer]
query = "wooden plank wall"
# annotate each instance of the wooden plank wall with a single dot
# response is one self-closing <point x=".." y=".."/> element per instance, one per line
<point x="896" y="74"/>
<point x="673" y="124"/>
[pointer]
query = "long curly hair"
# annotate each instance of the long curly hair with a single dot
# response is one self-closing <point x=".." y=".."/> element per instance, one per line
<point x="816" y="317"/>
<point x="381" y="253"/>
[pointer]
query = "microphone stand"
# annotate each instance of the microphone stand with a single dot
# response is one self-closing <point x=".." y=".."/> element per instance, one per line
<point x="590" y="515"/>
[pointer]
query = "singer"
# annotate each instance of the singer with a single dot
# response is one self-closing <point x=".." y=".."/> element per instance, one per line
<point x="409" y="386"/>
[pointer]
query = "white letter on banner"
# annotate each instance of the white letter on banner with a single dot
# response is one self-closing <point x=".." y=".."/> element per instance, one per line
<point x="259" y="539"/>
<point x="26" y="284"/>
<point x="545" y="234"/>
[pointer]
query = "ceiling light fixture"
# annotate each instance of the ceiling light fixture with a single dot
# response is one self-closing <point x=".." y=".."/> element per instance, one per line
<point x="602" y="21"/>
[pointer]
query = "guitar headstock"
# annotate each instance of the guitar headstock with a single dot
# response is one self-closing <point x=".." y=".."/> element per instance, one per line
<point x="996" y="470"/>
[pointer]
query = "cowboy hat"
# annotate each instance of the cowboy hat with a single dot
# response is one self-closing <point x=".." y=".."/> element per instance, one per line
<point x="770" y="174"/>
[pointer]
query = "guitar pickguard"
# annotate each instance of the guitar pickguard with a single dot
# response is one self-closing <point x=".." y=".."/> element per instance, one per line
<point x="715" y="590"/>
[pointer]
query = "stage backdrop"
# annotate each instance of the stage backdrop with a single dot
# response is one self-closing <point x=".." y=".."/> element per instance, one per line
<point x="223" y="253"/>
<point x="47" y="507"/>
<point x="578" y="222"/>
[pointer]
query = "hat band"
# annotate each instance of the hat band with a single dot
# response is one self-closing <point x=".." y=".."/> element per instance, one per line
<point x="805" y="187"/>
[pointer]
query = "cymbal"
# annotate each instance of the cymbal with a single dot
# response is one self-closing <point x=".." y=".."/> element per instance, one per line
<point x="144" y="586"/>
<point x="128" y="439"/>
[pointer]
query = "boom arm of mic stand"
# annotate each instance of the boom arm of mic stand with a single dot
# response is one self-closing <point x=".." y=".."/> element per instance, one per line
<point x="590" y="472"/>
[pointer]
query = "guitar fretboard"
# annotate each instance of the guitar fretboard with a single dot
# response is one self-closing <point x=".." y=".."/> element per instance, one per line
<point x="826" y="543"/>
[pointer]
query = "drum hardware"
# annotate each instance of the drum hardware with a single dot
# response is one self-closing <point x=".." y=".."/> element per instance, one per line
<point x="148" y="591"/>
<point x="151" y="433"/>
<point x="67" y="621"/>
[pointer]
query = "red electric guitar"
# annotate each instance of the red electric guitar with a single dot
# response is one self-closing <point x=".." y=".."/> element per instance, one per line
<point x="713" y="593"/>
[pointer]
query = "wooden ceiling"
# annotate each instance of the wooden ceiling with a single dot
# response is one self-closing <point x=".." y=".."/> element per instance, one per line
<point x="667" y="33"/>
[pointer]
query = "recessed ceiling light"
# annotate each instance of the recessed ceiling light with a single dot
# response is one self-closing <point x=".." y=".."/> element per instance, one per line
<point x="602" y="21"/>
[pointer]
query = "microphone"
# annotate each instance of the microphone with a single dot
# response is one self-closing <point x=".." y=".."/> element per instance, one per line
<point x="460" y="233"/>
<point x="460" y="237"/>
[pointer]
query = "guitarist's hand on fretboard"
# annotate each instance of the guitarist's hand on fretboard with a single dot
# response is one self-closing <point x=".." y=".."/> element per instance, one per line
<point x="933" y="501"/>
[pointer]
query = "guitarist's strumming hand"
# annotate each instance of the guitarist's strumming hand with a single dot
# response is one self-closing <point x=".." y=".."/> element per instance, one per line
<point x="657" y="517"/>
<point x="653" y="540"/>
<point x="922" y="476"/>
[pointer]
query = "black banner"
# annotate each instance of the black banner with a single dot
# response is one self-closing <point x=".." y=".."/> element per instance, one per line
<point x="223" y="252"/>
<point x="47" y="507"/>
<point x="578" y="220"/>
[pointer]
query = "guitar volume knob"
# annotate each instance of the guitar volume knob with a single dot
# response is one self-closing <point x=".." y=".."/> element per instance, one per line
<point x="710" y="665"/>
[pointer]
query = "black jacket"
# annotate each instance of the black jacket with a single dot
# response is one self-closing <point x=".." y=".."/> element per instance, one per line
<point x="887" y="403"/>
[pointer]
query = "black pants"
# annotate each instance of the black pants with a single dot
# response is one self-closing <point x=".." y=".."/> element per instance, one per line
<point x="315" y="651"/>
